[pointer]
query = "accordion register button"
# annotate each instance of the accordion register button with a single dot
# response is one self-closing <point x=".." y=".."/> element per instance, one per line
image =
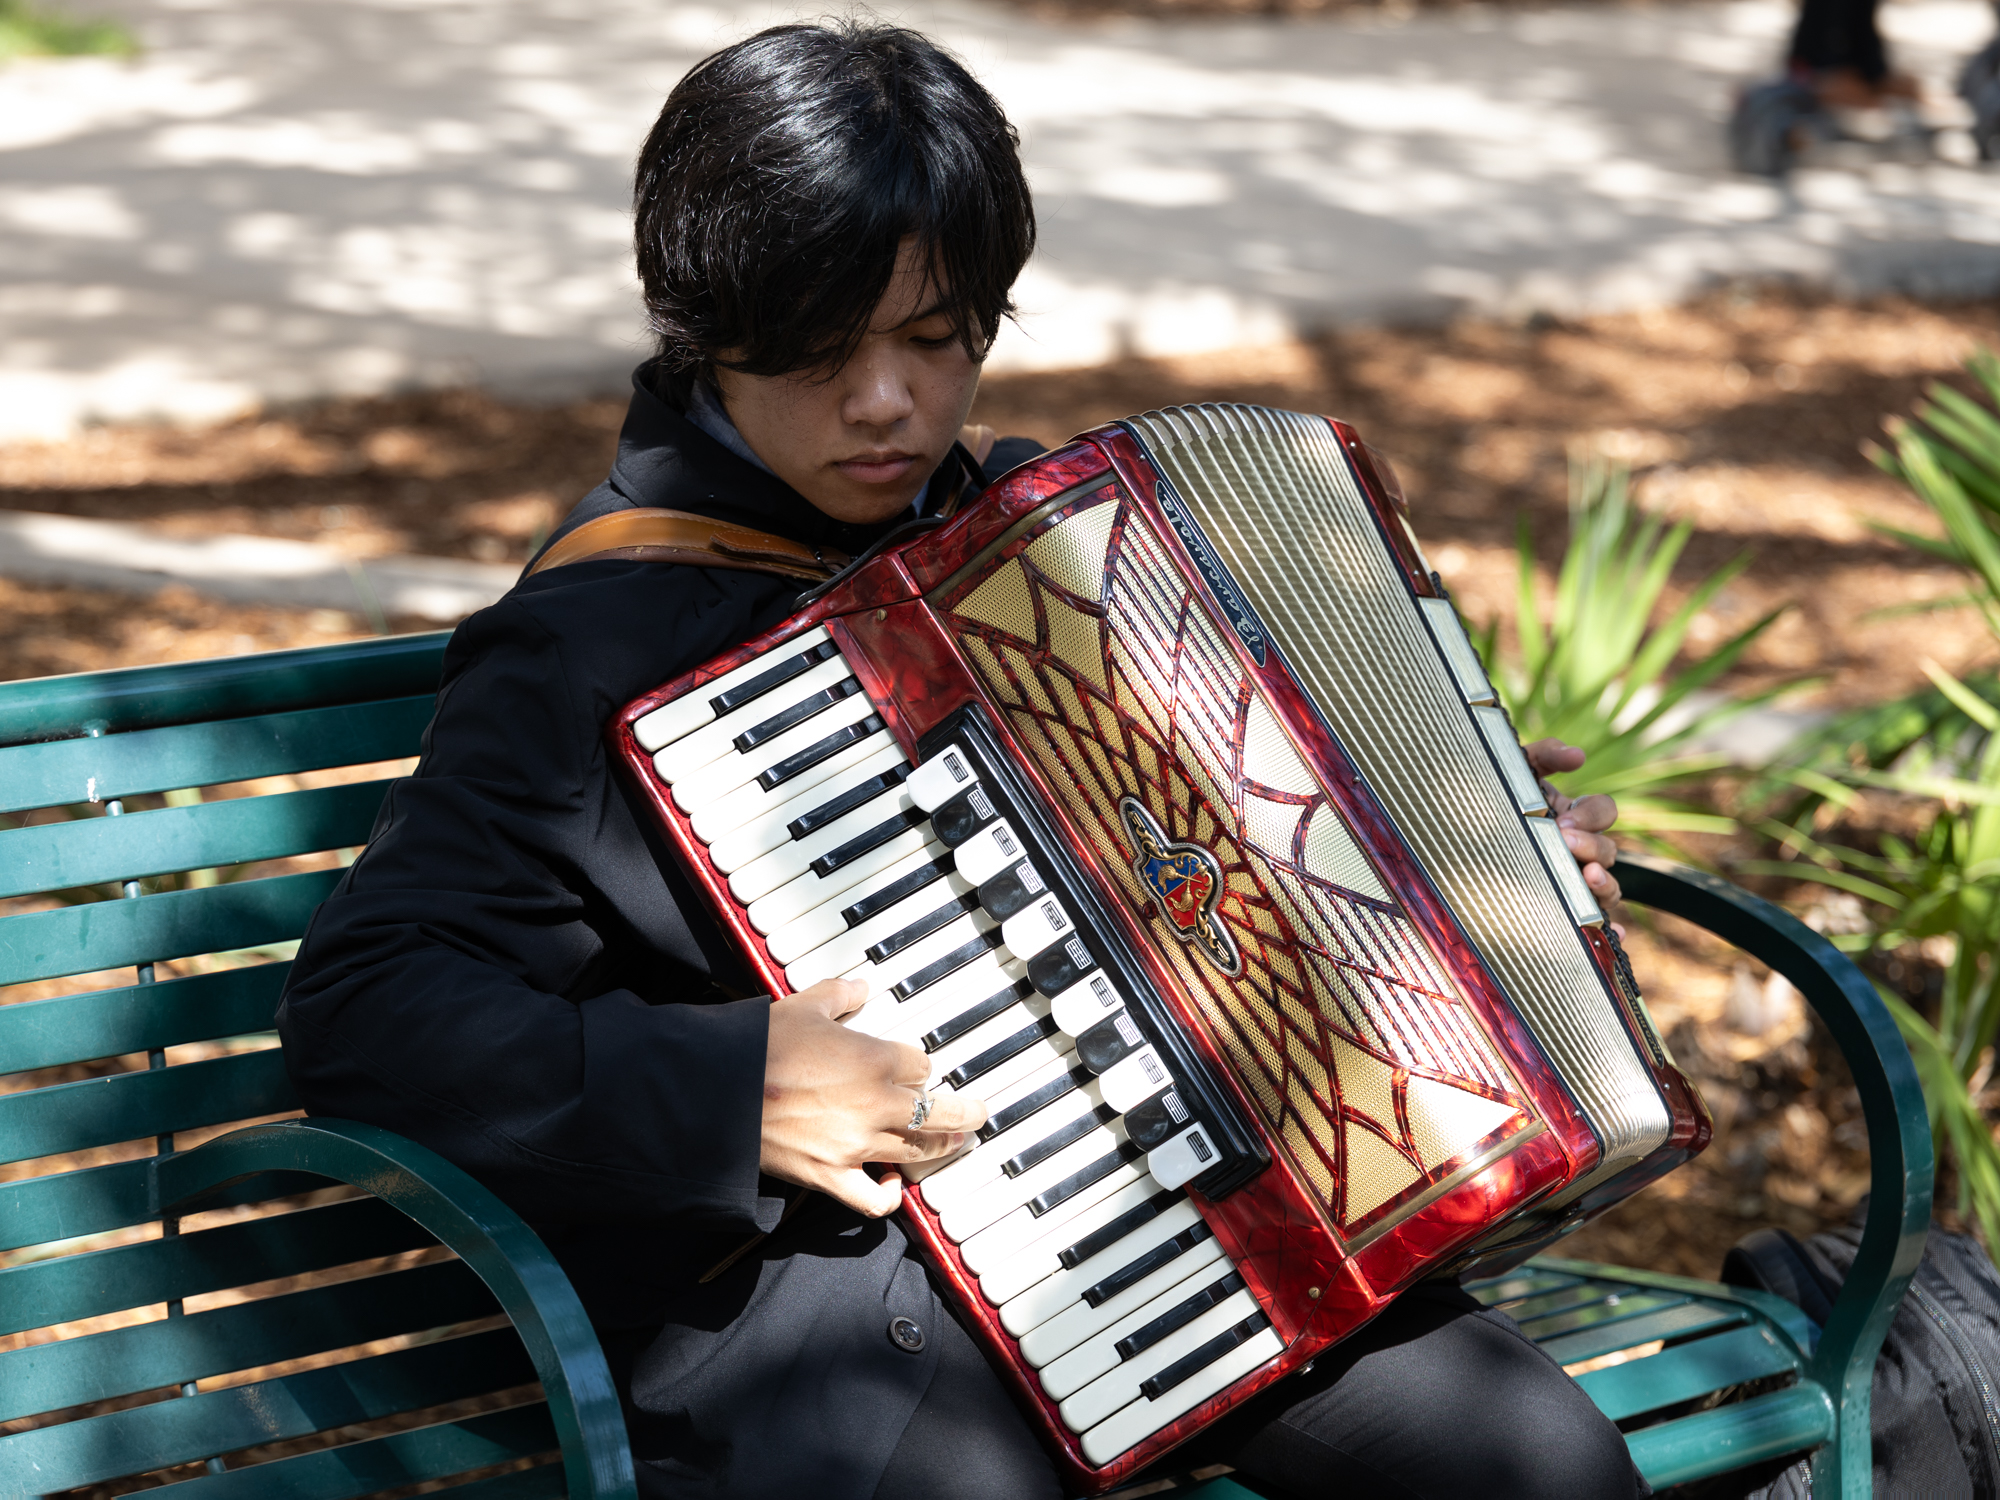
<point x="1083" y="1005"/>
<point x="1183" y="1158"/>
<point x="988" y="852"/>
<point x="1102" y="1047"/>
<point x="1583" y="907"/>
<point x="962" y="817"/>
<point x="941" y="778"/>
<point x="1061" y="965"/>
<point x="1513" y="763"/>
<point x="1161" y="1286"/>
<point x="1139" y="1420"/>
<point x="1011" y="890"/>
<point x="1157" y="1118"/>
<point x="1466" y="670"/>
<point x="1063" y="1291"/>
<point x="1031" y="930"/>
<point x="1120" y="1384"/>
<point x="1134" y="1080"/>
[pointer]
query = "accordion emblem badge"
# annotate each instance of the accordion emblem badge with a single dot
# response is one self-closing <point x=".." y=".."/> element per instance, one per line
<point x="1161" y="798"/>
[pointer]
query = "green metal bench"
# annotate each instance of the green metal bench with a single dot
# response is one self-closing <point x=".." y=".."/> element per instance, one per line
<point x="170" y="1302"/>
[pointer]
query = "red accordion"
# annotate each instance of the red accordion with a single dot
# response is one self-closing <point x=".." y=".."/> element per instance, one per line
<point x="1162" y="799"/>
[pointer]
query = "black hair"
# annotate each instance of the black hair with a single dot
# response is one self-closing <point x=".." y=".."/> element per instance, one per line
<point x="784" y="173"/>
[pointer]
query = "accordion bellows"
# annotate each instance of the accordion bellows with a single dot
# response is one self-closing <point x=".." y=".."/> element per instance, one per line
<point x="1198" y="666"/>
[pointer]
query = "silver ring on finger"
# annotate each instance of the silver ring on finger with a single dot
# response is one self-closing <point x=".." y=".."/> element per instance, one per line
<point x="921" y="1112"/>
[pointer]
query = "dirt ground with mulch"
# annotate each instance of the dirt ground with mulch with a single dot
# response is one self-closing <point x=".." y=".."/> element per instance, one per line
<point x="1743" y="412"/>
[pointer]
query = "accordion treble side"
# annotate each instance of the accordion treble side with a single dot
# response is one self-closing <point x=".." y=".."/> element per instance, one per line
<point x="1163" y="800"/>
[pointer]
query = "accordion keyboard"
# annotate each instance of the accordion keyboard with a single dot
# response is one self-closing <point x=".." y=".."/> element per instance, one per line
<point x="1069" y="1206"/>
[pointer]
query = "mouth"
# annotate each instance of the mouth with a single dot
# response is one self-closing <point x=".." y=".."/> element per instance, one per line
<point x="882" y="467"/>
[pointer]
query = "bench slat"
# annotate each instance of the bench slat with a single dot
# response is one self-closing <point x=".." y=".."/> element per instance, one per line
<point x="153" y="1101"/>
<point x="401" y="1459"/>
<point x="172" y="924"/>
<point x="90" y="851"/>
<point x="1686" y="1371"/>
<point x="62" y="772"/>
<point x="63" y="1290"/>
<point x="178" y="1430"/>
<point x="129" y="698"/>
<point x="139" y="1017"/>
<point x="170" y="1351"/>
<point x="1602" y="1309"/>
<point x="65" y="1205"/>
<point x="547" y="1482"/>
<point x="1627" y="1333"/>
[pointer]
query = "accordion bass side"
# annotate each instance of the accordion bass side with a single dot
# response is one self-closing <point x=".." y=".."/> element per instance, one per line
<point x="1162" y="799"/>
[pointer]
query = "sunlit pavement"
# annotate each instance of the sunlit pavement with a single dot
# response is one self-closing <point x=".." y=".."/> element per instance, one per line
<point x="288" y="198"/>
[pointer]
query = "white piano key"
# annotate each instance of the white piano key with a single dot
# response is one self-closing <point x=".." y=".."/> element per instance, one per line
<point x="975" y="1172"/>
<point x="1085" y="1003"/>
<point x="1041" y="1050"/>
<point x="1039" y="1256"/>
<point x="1038" y="924"/>
<point x="851" y="946"/>
<point x="790" y="902"/>
<point x="1080" y="1324"/>
<point x="1133" y="1424"/>
<point x="998" y="1243"/>
<point x="767" y="831"/>
<point x="1063" y="1290"/>
<point x="720" y="777"/>
<point x="712" y="741"/>
<point x="906" y="1020"/>
<point x="898" y="966"/>
<point x="747" y="802"/>
<point x="689" y="712"/>
<point x="791" y="859"/>
<point x="994" y="1104"/>
<point x="826" y="921"/>
<point x="942" y="778"/>
<point x="1021" y="1014"/>
<point x="1118" y="1385"/>
<point x="988" y="852"/>
<point x="993" y="1201"/>
<point x="1133" y="1080"/>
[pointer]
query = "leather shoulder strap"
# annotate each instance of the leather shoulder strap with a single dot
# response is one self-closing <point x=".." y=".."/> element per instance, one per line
<point x="649" y="534"/>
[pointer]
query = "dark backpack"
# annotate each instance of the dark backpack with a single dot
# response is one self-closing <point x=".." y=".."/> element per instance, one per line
<point x="1935" y="1410"/>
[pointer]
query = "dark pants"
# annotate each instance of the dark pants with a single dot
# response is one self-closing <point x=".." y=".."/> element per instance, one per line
<point x="1839" y="34"/>
<point x="1437" y="1399"/>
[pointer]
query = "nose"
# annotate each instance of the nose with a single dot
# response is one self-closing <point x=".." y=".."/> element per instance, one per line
<point x="879" y="393"/>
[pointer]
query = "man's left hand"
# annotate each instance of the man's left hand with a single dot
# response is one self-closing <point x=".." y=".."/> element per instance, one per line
<point x="1584" y="822"/>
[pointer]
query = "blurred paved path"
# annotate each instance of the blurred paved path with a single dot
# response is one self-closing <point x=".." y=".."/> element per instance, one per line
<point x="286" y="198"/>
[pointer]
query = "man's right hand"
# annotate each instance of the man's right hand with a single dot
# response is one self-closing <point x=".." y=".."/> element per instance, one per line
<point x="835" y="1098"/>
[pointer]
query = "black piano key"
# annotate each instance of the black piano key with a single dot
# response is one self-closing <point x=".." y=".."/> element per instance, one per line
<point x="1128" y="1276"/>
<point x="923" y="927"/>
<point x="861" y="843"/>
<point x="1202" y="1358"/>
<point x="1011" y="890"/>
<point x="950" y="964"/>
<point x="1177" y="1317"/>
<point x="978" y="1015"/>
<point x="1070" y="1133"/>
<point x="1061" y="965"/>
<point x="999" y="1052"/>
<point x="1109" y="1042"/>
<point x="846" y="802"/>
<point x="1082" y="1178"/>
<point x="777" y="775"/>
<point x="1041" y="1098"/>
<point x="763" y="682"/>
<point x="1100" y="1240"/>
<point x="1154" y="1120"/>
<point x="963" y="816"/>
<point x="797" y="714"/>
<point x="876" y="902"/>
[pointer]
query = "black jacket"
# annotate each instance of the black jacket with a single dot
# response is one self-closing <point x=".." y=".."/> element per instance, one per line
<point x="516" y="974"/>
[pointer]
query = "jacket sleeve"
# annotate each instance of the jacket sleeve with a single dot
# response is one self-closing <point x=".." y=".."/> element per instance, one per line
<point x="453" y="987"/>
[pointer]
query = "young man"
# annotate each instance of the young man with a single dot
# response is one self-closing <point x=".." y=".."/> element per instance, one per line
<point x="517" y="974"/>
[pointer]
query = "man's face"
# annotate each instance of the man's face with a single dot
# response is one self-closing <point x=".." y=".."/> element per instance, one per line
<point x="861" y="444"/>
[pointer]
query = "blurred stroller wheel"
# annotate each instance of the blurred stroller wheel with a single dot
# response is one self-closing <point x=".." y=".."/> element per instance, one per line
<point x="1979" y="86"/>
<point x="1769" y="125"/>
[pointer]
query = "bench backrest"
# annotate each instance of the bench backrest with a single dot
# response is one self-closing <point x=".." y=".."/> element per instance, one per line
<point x="142" y="950"/>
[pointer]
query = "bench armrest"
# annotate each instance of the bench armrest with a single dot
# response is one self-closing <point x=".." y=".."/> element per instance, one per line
<point x="487" y="1235"/>
<point x="1899" y="1134"/>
